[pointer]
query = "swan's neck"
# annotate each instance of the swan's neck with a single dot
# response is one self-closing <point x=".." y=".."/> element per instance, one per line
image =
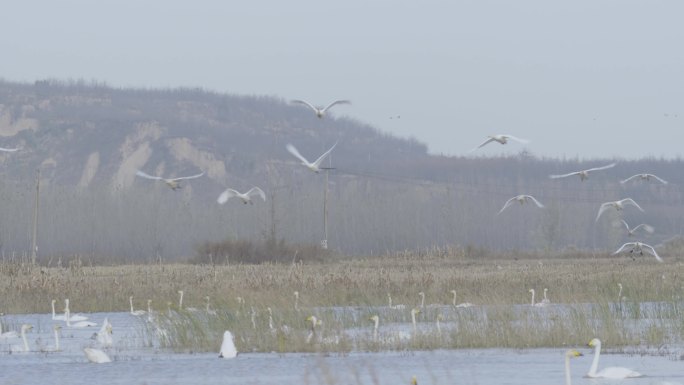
<point x="67" y="315"/>
<point x="296" y="305"/>
<point x="180" y="301"/>
<point x="149" y="308"/>
<point x="270" y="322"/>
<point x="54" y="315"/>
<point x="130" y="300"/>
<point x="389" y="298"/>
<point x="422" y="301"/>
<point x="567" y="370"/>
<point x="439" y="328"/>
<point x="56" y="340"/>
<point x="454" y="301"/>
<point x="545" y="295"/>
<point x="532" y="297"/>
<point x="23" y="337"/>
<point x="594" y="363"/>
<point x="413" y="320"/>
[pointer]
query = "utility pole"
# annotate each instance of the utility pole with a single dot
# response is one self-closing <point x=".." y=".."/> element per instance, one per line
<point x="34" y="247"/>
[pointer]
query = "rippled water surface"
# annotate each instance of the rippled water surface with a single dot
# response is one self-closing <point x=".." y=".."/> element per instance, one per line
<point x="136" y="362"/>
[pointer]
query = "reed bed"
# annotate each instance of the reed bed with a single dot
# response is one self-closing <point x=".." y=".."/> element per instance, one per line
<point x="345" y="294"/>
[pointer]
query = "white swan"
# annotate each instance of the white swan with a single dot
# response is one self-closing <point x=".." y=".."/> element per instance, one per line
<point x="96" y="355"/>
<point x="9" y="149"/>
<point x="521" y="199"/>
<point x="630" y="232"/>
<point x="422" y="299"/>
<point x="72" y="317"/>
<point x="25" y="347"/>
<point x="246" y="197"/>
<point x="639" y="247"/>
<point x="56" y="317"/>
<point x="395" y="307"/>
<point x="545" y="300"/>
<point x="414" y="312"/>
<point x="320" y="112"/>
<point x="315" y="166"/>
<point x="7" y="335"/>
<point x="583" y="174"/>
<point x="104" y="336"/>
<point x="644" y="177"/>
<point x="228" y="346"/>
<point x="611" y="372"/>
<point x="464" y="304"/>
<point x="501" y="138"/>
<point x="79" y="324"/>
<point x="134" y="312"/>
<point x="617" y="205"/>
<point x="56" y="348"/>
<point x="376" y="323"/>
<point x="568" y="355"/>
<point x="173" y="183"/>
<point x="532" y="303"/>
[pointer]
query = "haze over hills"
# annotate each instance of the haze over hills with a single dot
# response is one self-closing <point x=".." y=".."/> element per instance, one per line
<point x="386" y="193"/>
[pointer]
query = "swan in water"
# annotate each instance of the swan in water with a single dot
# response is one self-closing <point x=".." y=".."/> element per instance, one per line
<point x="72" y="317"/>
<point x="320" y="112"/>
<point x="376" y="323"/>
<point x="246" y="197"/>
<point x="134" y="312"/>
<point x="228" y="346"/>
<point x="96" y="355"/>
<point x="396" y="307"/>
<point x="568" y="355"/>
<point x="639" y="247"/>
<point x="180" y="303"/>
<point x="173" y="183"/>
<point x="611" y="372"/>
<point x="522" y="199"/>
<point x="315" y="166"/>
<point x="56" y="317"/>
<point x="104" y="336"/>
<point x="22" y="348"/>
<point x="464" y="304"/>
<point x="583" y="174"/>
<point x="617" y="205"/>
<point x="414" y="312"/>
<point x="422" y="299"/>
<point x="630" y="232"/>
<point x="545" y="300"/>
<point x="56" y="348"/>
<point x="3" y="149"/>
<point x="501" y="138"/>
<point x="532" y="303"/>
<point x="79" y="324"/>
<point x="644" y="177"/>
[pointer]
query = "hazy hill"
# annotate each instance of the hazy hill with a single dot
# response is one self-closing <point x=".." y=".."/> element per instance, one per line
<point x="386" y="193"/>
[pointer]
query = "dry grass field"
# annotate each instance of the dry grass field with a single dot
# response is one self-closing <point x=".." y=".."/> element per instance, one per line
<point x="358" y="288"/>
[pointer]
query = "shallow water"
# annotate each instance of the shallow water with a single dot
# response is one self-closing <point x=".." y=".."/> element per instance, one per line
<point x="136" y="361"/>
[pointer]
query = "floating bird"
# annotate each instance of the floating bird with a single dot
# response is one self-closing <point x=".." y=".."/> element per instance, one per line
<point x="56" y="348"/>
<point x="246" y="197"/>
<point x="24" y="348"/>
<point x="639" y="247"/>
<point x="545" y="300"/>
<point x="644" y="177"/>
<point x="228" y="346"/>
<point x="501" y="138"/>
<point x="315" y="166"/>
<point x="615" y="373"/>
<point x="532" y="303"/>
<point x="522" y="199"/>
<point x="134" y="312"/>
<point x="617" y="205"/>
<point x="584" y="174"/>
<point x="104" y="336"/>
<point x="464" y="304"/>
<point x="96" y="355"/>
<point x="320" y="112"/>
<point x="173" y="183"/>
<point x="9" y="149"/>
<point x="72" y="317"/>
<point x="630" y="232"/>
<point x="396" y="307"/>
<point x="79" y="324"/>
<point x="568" y="355"/>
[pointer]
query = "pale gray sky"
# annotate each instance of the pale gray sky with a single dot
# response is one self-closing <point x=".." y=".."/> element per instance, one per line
<point x="585" y="78"/>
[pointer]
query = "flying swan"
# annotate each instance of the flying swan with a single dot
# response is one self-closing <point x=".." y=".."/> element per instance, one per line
<point x="615" y="373"/>
<point x="522" y="199"/>
<point x="644" y="177"/>
<point x="173" y="183"/>
<point x="320" y="112"/>
<point x="617" y="205"/>
<point x="639" y="247"/>
<point x="501" y="138"/>
<point x="246" y="197"/>
<point x="630" y="232"/>
<point x="583" y="174"/>
<point x="315" y="166"/>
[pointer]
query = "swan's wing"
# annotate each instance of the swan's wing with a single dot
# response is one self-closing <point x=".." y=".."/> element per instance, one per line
<point x="336" y="102"/>
<point x="628" y="244"/>
<point x="604" y="207"/>
<point x="626" y="225"/>
<point x="651" y="250"/>
<point x="147" y="176"/>
<point x="508" y="203"/>
<point x="304" y="102"/>
<point x="257" y="191"/>
<point x="647" y="228"/>
<point x="9" y="149"/>
<point x="564" y="175"/>
<point x="293" y="150"/>
<point x="659" y="179"/>
<point x="630" y="201"/>
<point x="630" y="178"/>
<point x="320" y="158"/>
<point x="516" y="138"/>
<point x="189" y="177"/>
<point x="227" y="194"/>
<point x="602" y="167"/>
<point x="483" y="144"/>
<point x="536" y="202"/>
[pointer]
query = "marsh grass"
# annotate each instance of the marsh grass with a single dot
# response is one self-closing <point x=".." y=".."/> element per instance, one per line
<point x="345" y="294"/>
